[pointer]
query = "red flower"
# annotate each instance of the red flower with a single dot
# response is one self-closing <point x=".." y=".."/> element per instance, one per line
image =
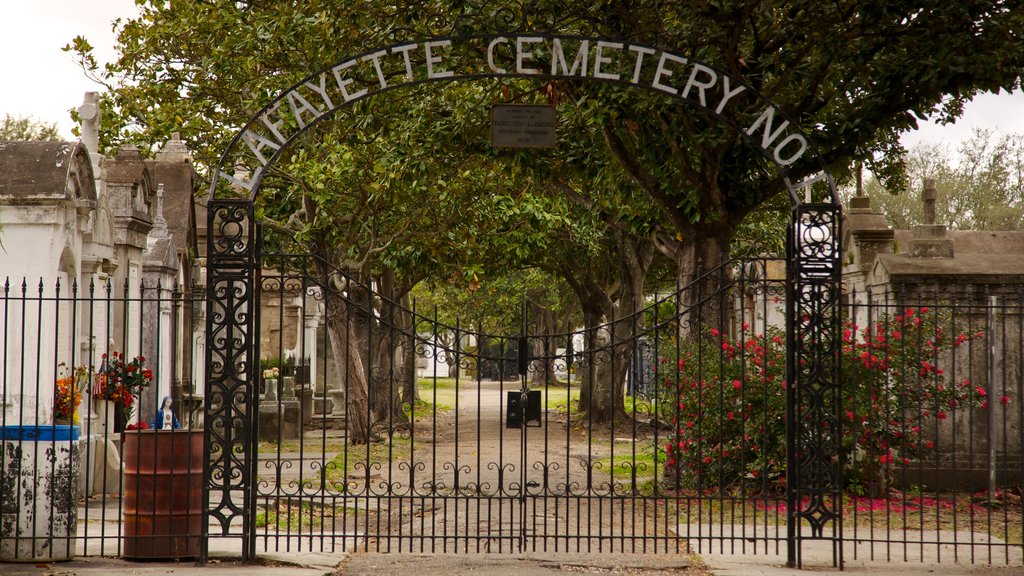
<point x="1004" y="399"/>
<point x="736" y="384"/>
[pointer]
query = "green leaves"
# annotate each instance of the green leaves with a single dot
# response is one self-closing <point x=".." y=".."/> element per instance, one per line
<point x="981" y="187"/>
<point x="414" y="166"/>
<point x="25" y="128"/>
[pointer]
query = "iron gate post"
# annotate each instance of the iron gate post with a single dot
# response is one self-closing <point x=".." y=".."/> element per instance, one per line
<point x="229" y="439"/>
<point x="813" y="395"/>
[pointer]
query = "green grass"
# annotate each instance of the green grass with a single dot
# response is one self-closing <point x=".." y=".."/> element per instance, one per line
<point x="559" y="399"/>
<point x="308" y="446"/>
<point x="435" y="394"/>
<point x="355" y="464"/>
<point x="642" y="406"/>
<point x="621" y="465"/>
<point x="298" y="516"/>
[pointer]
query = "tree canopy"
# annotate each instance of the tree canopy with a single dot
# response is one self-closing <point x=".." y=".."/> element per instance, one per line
<point x="25" y="128"/>
<point x="405" y="183"/>
<point x="854" y="74"/>
<point x="981" y="187"/>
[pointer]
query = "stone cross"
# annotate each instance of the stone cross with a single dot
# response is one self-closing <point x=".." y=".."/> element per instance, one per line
<point x="929" y="201"/>
<point x="89" y="113"/>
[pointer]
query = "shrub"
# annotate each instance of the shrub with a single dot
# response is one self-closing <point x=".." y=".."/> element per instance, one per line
<point x="727" y="400"/>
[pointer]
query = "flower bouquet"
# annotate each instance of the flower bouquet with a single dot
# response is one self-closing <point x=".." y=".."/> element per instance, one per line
<point x="68" y="392"/>
<point x="122" y="381"/>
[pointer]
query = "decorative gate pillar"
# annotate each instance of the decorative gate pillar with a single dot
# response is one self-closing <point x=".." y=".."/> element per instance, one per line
<point x="232" y="256"/>
<point x="813" y="395"/>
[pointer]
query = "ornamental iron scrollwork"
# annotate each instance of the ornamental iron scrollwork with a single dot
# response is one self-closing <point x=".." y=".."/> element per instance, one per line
<point x="813" y="398"/>
<point x="229" y="433"/>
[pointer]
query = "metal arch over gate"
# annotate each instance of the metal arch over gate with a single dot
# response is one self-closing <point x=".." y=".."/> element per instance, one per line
<point x="234" y="259"/>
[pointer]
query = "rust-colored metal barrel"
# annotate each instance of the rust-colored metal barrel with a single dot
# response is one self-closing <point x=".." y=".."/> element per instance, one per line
<point x="163" y="493"/>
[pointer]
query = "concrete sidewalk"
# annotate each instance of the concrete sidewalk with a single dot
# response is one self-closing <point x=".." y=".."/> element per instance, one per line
<point x="727" y="552"/>
<point x="226" y="563"/>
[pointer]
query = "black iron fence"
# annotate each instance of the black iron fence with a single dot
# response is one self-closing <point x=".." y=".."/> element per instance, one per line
<point x="933" y="439"/>
<point x="379" y="426"/>
<point x="85" y="368"/>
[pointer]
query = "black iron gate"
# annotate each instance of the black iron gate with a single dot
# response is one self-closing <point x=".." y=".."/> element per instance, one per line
<point x="359" y="500"/>
<point x="469" y="441"/>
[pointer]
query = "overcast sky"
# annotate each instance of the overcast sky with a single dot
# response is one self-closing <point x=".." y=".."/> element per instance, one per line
<point x="43" y="82"/>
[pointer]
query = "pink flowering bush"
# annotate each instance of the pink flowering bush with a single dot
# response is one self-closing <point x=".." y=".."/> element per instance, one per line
<point x="727" y="398"/>
<point x="727" y="405"/>
<point x="896" y="392"/>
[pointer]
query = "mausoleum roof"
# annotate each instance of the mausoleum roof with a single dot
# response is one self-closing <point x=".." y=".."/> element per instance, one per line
<point x="45" y="169"/>
<point x="988" y="257"/>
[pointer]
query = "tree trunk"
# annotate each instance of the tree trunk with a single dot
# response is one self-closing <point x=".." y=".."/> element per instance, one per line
<point x="587" y="367"/>
<point x="610" y="347"/>
<point x="543" y="346"/>
<point x="701" y="278"/>
<point x="385" y="382"/>
<point x="614" y="356"/>
<point x="607" y="392"/>
<point x="348" y="361"/>
<point x="407" y="343"/>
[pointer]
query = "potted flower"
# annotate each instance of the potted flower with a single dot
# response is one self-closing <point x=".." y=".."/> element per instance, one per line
<point x="68" y="393"/>
<point x="121" y="382"/>
<point x="270" y="380"/>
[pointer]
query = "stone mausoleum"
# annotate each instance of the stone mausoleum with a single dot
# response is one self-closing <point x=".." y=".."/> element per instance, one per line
<point x="972" y="283"/>
<point x="88" y="240"/>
